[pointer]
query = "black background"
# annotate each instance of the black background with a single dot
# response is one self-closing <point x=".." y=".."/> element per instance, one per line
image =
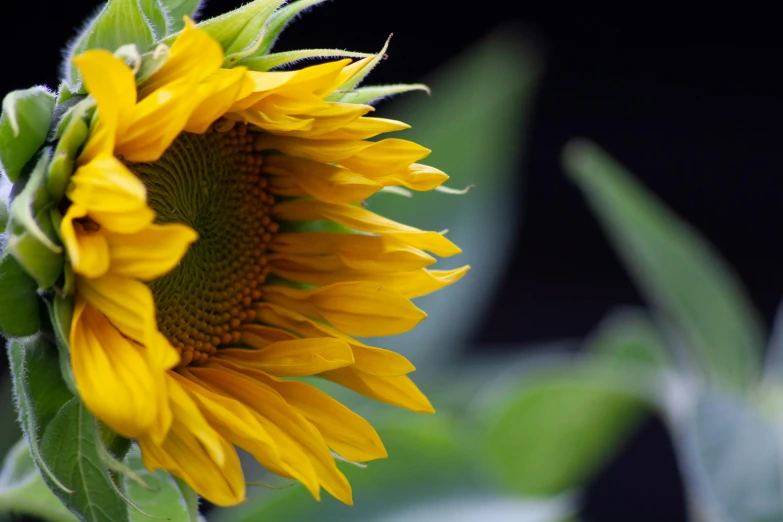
<point x="689" y="100"/>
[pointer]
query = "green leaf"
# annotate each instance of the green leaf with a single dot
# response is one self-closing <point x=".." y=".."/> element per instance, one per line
<point x="70" y="448"/>
<point x="481" y="144"/>
<point x="18" y="300"/>
<point x="731" y="458"/>
<point x="24" y="125"/>
<point x="422" y="450"/>
<point x="676" y="269"/>
<point x="177" y="9"/>
<point x="553" y="433"/>
<point x="120" y="22"/>
<point x="280" y="20"/>
<point x="23" y="492"/>
<point x="40" y="393"/>
<point x="161" y="497"/>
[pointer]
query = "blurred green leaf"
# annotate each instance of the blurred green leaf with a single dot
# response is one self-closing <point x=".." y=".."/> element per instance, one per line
<point x="732" y="460"/>
<point x="553" y="432"/>
<point x="23" y="492"/>
<point x="474" y="122"/>
<point x="773" y="367"/>
<point x="162" y="498"/>
<point x="472" y="508"/>
<point x="675" y="268"/>
<point x="422" y="450"/>
<point x="627" y="337"/>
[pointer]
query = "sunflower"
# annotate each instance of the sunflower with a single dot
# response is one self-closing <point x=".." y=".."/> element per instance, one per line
<point x="219" y="246"/>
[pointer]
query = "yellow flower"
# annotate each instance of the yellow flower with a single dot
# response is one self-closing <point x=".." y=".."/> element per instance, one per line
<point x="204" y="277"/>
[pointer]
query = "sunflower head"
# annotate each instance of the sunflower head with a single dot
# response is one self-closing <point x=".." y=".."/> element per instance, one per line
<point x="200" y="229"/>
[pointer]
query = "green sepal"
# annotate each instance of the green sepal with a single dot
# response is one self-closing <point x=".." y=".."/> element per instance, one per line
<point x="151" y="62"/>
<point x="37" y="259"/>
<point x="40" y="393"/>
<point x="251" y="36"/>
<point x="72" y="132"/>
<point x="119" y="23"/>
<point x="18" y="299"/>
<point x="178" y="9"/>
<point x="279" y="21"/>
<point x="3" y="208"/>
<point x="239" y="32"/>
<point x="31" y="231"/>
<point x="61" y="315"/>
<point x="157" y="17"/>
<point x="374" y="93"/>
<point x="270" y="61"/>
<point x="343" y="90"/>
<point x="24" y="125"/>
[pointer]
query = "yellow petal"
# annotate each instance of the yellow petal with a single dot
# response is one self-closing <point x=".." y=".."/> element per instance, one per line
<point x="357" y="251"/>
<point x="259" y="336"/>
<point x="364" y="220"/>
<point x="363" y="309"/>
<point x="126" y="302"/>
<point x="157" y="120"/>
<point x="346" y="432"/>
<point x="408" y="284"/>
<point x="293" y="358"/>
<point x="128" y="222"/>
<point x="194" y="54"/>
<point x="106" y="185"/>
<point x="217" y="94"/>
<point x="376" y="361"/>
<point x="150" y="253"/>
<point x="397" y="391"/>
<point x="194" y="451"/>
<point x="87" y="250"/>
<point x="114" y="377"/>
<point x="325" y="182"/>
<point x="363" y="128"/>
<point x="233" y="421"/>
<point x="416" y="177"/>
<point x="323" y="151"/>
<point x="113" y="86"/>
<point x="243" y="385"/>
<point x="295" y="462"/>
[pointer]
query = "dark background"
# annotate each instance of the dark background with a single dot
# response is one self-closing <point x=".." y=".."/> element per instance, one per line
<point x="690" y="101"/>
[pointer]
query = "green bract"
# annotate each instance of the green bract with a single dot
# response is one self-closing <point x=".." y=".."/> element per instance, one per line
<point x="24" y="125"/>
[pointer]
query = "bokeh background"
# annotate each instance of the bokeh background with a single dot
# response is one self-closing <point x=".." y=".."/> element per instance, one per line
<point x="681" y="99"/>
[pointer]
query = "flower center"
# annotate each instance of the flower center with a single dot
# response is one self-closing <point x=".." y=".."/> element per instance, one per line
<point x="211" y="182"/>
